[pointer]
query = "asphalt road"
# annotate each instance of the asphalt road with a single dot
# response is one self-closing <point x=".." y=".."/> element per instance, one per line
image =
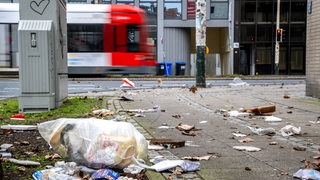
<point x="11" y="87"/>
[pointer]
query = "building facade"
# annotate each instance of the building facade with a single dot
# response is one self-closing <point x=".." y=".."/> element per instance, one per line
<point x="255" y="30"/>
<point x="240" y="34"/>
<point x="313" y="56"/>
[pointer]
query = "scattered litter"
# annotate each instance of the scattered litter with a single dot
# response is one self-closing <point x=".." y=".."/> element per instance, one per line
<point x="102" y="112"/>
<point x="166" y="127"/>
<point x="120" y="118"/>
<point x="203" y="122"/>
<point x="124" y="98"/>
<point x="159" y="81"/>
<point x="272" y="119"/>
<point x="263" y="131"/>
<point x="316" y="122"/>
<point x="247" y="148"/>
<point x="139" y="115"/>
<point x="52" y="156"/>
<point x="273" y="143"/>
<point x="299" y="148"/>
<point x="261" y="109"/>
<point x="167" y="143"/>
<point x="177" y="116"/>
<point x="127" y="83"/>
<point x="237" y="114"/>
<point x="286" y="96"/>
<point x="239" y="135"/>
<point x="246" y="140"/>
<point x="18" y="117"/>
<point x="247" y="169"/>
<point x="307" y="174"/>
<point x="155" y="147"/>
<point x="137" y="110"/>
<point x="4" y="147"/>
<point x="156" y="107"/>
<point x="23" y="162"/>
<point x="168" y="164"/>
<point x="94" y="142"/>
<point x="197" y="158"/>
<point x="190" y="133"/>
<point x="238" y="82"/>
<point x="316" y="157"/>
<point x="191" y="144"/>
<point x="105" y="174"/>
<point x="185" y="127"/>
<point x="19" y="127"/>
<point x="193" y="89"/>
<point x="133" y="169"/>
<point x="5" y="154"/>
<point x="157" y="159"/>
<point x="290" y="130"/>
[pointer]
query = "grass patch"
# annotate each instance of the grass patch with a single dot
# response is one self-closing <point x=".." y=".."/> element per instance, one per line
<point x="310" y="101"/>
<point x="71" y="108"/>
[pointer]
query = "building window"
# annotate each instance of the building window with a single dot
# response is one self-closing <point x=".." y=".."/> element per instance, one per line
<point x="77" y="1"/>
<point x="264" y="11"/>
<point x="191" y="9"/>
<point x="104" y="1"/>
<point x="172" y="9"/>
<point x="130" y="2"/>
<point x="248" y="10"/>
<point x="298" y="13"/>
<point x="219" y="9"/>
<point x="150" y="7"/>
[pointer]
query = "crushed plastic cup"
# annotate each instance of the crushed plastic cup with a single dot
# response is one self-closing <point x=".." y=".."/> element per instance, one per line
<point x="263" y="131"/>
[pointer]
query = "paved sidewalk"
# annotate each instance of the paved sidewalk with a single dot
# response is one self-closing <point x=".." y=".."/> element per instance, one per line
<point x="203" y="109"/>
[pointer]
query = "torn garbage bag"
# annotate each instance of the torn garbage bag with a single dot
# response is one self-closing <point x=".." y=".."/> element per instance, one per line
<point x="95" y="143"/>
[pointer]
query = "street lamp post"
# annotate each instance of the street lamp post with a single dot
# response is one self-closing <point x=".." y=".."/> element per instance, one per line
<point x="200" y="42"/>
<point x="277" y="46"/>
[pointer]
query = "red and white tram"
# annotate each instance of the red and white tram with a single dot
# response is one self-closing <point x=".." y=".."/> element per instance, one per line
<point x="102" y="39"/>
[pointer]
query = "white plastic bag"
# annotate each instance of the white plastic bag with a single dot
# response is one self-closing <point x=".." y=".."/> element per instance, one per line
<point x="95" y="142"/>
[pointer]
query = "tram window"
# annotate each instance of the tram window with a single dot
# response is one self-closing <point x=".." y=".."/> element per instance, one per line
<point x="133" y="38"/>
<point x="85" y="38"/>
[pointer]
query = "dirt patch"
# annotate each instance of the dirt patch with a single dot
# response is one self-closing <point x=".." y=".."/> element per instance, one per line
<point x="27" y="145"/>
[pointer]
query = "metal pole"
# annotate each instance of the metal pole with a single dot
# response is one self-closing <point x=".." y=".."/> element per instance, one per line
<point x="277" y="47"/>
<point x="200" y="42"/>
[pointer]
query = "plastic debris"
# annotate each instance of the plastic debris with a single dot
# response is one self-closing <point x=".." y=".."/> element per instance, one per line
<point x="56" y="173"/>
<point x="5" y="154"/>
<point x="246" y="140"/>
<point x="4" y="147"/>
<point x="24" y="162"/>
<point x="238" y="82"/>
<point x="127" y="83"/>
<point x="237" y="113"/>
<point x="307" y="174"/>
<point x="203" y="122"/>
<point x="105" y="174"/>
<point x="133" y="169"/>
<point x="18" y="117"/>
<point x="19" y="127"/>
<point x="290" y="130"/>
<point x="95" y="143"/>
<point x="263" y="131"/>
<point x="247" y="148"/>
<point x="272" y="119"/>
<point x="239" y="135"/>
<point x="168" y="164"/>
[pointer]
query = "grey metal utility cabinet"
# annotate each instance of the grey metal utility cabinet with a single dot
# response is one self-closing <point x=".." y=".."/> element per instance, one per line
<point x="43" y="71"/>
